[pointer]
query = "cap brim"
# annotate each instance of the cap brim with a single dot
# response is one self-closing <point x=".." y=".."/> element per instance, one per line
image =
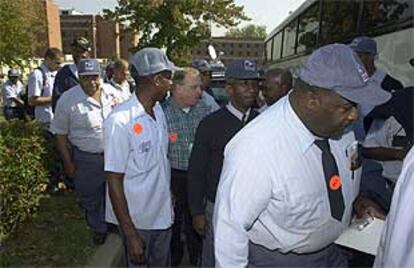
<point x="89" y="73"/>
<point x="371" y="94"/>
<point x="244" y="77"/>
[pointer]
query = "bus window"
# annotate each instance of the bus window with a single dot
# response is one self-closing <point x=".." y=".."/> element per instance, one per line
<point x="339" y="20"/>
<point x="308" y="28"/>
<point x="269" y="50"/>
<point x="380" y="12"/>
<point x="277" y="46"/>
<point x="289" y="39"/>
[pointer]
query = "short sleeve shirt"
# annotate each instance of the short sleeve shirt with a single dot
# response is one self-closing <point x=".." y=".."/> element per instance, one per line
<point x="80" y="117"/>
<point x="387" y="134"/>
<point x="11" y="91"/>
<point x="136" y="145"/>
<point x="39" y="88"/>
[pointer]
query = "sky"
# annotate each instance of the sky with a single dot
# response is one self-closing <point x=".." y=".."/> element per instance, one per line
<point x="262" y="12"/>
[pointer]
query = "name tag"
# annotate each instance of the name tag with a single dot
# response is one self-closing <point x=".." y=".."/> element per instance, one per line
<point x="144" y="147"/>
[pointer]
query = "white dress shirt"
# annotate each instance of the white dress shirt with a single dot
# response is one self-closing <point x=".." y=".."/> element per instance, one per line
<point x="273" y="192"/>
<point x="123" y="89"/>
<point x="382" y="134"/>
<point x="396" y="249"/>
<point x="39" y="88"/>
<point x="10" y="91"/>
<point x="81" y="117"/>
<point x="241" y="116"/>
<point x="136" y="145"/>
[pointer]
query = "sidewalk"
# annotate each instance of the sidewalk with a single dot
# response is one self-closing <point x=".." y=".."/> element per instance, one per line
<point x="108" y="254"/>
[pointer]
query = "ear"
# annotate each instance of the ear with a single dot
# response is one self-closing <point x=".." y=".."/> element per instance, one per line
<point x="313" y="100"/>
<point x="229" y="89"/>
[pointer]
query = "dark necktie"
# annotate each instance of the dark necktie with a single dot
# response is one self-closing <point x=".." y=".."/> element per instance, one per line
<point x="332" y="179"/>
<point x="244" y="118"/>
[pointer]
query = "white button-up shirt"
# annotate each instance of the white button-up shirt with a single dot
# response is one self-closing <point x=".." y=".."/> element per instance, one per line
<point x="10" y="91"/>
<point x="396" y="248"/>
<point x="124" y="89"/>
<point x="382" y="133"/>
<point x="273" y="192"/>
<point x="136" y="145"/>
<point x="39" y="88"/>
<point x="81" y="117"/>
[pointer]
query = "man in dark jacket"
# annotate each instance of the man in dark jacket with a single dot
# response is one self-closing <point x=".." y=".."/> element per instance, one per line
<point x="67" y="77"/>
<point x="212" y="135"/>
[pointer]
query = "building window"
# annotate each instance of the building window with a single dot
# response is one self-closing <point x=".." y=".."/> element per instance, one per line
<point x="240" y="45"/>
<point x="248" y="45"/>
<point x="248" y="53"/>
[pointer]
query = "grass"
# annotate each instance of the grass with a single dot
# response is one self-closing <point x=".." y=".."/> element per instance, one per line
<point x="56" y="236"/>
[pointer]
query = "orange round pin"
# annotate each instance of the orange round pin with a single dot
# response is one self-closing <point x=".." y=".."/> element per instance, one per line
<point x="173" y="137"/>
<point x="335" y="183"/>
<point x="137" y="128"/>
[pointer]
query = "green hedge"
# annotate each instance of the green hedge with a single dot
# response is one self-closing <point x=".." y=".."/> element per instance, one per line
<point x="25" y="159"/>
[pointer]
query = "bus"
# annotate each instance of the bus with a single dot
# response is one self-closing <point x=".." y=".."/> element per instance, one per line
<point x="320" y="22"/>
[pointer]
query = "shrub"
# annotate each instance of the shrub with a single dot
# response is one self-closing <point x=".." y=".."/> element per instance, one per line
<point x="25" y="159"/>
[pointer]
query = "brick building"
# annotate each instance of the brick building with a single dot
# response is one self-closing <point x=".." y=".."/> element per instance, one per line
<point x="231" y="49"/>
<point x="106" y="37"/>
<point x="50" y="36"/>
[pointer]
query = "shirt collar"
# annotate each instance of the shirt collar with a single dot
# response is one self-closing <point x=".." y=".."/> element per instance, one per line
<point x="305" y="137"/>
<point x="233" y="110"/>
<point x="378" y="76"/>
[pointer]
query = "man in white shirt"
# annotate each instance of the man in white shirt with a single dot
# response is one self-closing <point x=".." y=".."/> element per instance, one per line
<point x="138" y="171"/>
<point x="40" y="86"/>
<point x="12" y="92"/>
<point x="396" y="245"/>
<point x="78" y="128"/>
<point x="286" y="189"/>
<point x="119" y="79"/>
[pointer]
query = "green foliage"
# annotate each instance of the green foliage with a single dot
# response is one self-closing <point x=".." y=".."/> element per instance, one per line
<point x="20" y="23"/>
<point x="57" y="236"/>
<point x="25" y="159"/>
<point x="177" y="25"/>
<point x="249" y="31"/>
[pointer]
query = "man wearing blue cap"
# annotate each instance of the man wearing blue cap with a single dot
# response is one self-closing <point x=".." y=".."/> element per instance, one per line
<point x="212" y="135"/>
<point x="136" y="163"/>
<point x="286" y="189"/>
<point x="12" y="91"/>
<point x="78" y="127"/>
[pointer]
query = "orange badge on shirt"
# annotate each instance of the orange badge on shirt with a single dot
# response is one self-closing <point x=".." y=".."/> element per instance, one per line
<point x="173" y="137"/>
<point x="335" y="183"/>
<point x="137" y="128"/>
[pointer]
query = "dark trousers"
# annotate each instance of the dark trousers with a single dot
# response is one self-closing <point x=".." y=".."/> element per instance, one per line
<point x="157" y="248"/>
<point x="13" y="113"/>
<point x="90" y="185"/>
<point x="182" y="220"/>
<point x="331" y="256"/>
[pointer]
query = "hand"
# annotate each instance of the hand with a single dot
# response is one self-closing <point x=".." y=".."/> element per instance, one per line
<point x="136" y="249"/>
<point x="365" y="207"/>
<point x="200" y="224"/>
<point x="69" y="169"/>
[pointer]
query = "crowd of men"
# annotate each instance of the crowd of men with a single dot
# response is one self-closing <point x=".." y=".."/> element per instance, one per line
<point x="271" y="179"/>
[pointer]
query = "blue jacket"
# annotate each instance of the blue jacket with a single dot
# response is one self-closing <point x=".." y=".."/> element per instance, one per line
<point x="65" y="79"/>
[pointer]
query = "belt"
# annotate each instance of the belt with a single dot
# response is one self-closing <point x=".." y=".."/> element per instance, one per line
<point x="178" y="171"/>
<point x="98" y="153"/>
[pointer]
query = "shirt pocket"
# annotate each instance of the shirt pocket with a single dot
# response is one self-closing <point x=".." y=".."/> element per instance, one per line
<point x="144" y="152"/>
<point x="91" y="119"/>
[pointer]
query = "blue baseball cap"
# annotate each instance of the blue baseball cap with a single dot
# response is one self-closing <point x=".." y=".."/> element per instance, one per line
<point x="338" y="68"/>
<point x="13" y="72"/>
<point x="364" y="44"/>
<point x="201" y="65"/>
<point x="89" y="67"/>
<point x="242" y="70"/>
<point x="151" y="60"/>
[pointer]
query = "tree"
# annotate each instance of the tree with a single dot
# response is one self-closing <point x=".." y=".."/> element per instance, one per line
<point x="249" y="31"/>
<point x="177" y="25"/>
<point x="20" y="23"/>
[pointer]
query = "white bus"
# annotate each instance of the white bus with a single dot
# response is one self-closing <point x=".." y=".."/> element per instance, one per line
<point x="319" y="22"/>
